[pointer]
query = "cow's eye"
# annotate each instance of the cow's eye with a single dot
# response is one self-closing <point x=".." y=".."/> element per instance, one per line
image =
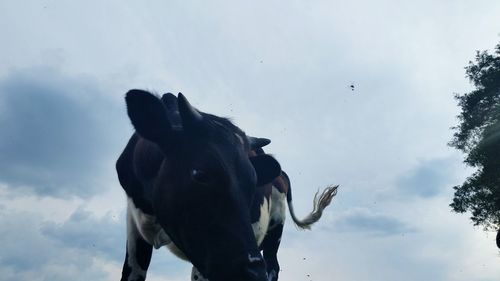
<point x="200" y="176"/>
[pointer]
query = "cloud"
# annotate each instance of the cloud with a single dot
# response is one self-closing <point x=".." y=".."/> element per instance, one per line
<point x="105" y="238"/>
<point x="82" y="247"/>
<point x="58" y="132"/>
<point x="428" y="178"/>
<point x="29" y="255"/>
<point x="363" y="221"/>
<point x="99" y="236"/>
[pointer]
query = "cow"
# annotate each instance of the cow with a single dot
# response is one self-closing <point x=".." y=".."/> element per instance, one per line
<point x="197" y="184"/>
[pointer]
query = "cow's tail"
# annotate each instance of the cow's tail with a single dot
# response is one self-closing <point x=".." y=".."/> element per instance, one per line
<point x="320" y="202"/>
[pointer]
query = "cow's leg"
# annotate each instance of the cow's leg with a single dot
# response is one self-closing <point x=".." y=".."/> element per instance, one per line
<point x="196" y="275"/>
<point x="136" y="260"/>
<point x="138" y="254"/>
<point x="270" y="247"/>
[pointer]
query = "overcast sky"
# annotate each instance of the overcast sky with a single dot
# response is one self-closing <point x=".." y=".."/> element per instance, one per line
<point x="279" y="69"/>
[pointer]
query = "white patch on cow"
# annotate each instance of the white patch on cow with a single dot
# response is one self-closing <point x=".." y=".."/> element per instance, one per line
<point x="148" y="228"/>
<point x="176" y="251"/>
<point x="240" y="138"/>
<point x="161" y="239"/>
<point x="132" y="236"/>
<point x="196" y="275"/>
<point x="260" y="227"/>
<point x="254" y="259"/>
<point x="278" y="207"/>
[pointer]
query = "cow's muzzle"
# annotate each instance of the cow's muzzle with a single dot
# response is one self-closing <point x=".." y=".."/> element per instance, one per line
<point x="250" y="268"/>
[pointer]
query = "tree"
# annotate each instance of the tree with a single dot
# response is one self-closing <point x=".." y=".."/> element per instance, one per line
<point x="478" y="136"/>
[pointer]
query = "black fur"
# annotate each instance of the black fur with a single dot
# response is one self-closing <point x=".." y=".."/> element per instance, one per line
<point x="143" y="251"/>
<point x="148" y="116"/>
<point x="265" y="168"/>
<point x="127" y="270"/>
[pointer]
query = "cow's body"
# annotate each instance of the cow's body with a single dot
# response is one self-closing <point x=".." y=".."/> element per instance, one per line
<point x="139" y="168"/>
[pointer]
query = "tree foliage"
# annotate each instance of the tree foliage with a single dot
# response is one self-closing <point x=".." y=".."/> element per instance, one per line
<point x="478" y="136"/>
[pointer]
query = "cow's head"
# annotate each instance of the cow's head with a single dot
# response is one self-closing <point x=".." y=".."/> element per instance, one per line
<point x="204" y="188"/>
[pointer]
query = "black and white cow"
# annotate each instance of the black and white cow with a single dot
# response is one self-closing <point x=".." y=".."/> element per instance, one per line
<point x="198" y="185"/>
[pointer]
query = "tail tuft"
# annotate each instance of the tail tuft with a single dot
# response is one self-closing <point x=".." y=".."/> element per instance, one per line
<point x="319" y="204"/>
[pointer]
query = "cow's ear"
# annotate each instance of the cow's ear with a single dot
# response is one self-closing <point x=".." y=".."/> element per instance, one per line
<point x="192" y="120"/>
<point x="266" y="168"/>
<point x="148" y="115"/>
<point x="170" y="101"/>
<point x="258" y="142"/>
